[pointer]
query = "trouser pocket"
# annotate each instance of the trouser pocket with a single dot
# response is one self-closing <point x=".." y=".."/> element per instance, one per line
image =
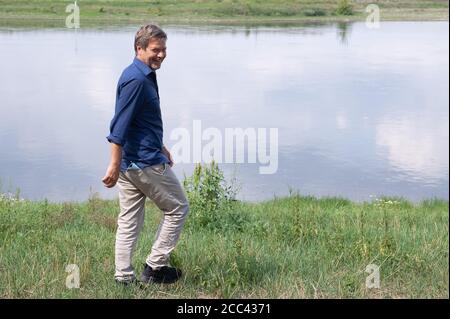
<point x="133" y="167"/>
<point x="159" y="169"/>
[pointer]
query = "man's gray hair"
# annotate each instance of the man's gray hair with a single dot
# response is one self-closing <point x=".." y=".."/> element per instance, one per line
<point x="147" y="32"/>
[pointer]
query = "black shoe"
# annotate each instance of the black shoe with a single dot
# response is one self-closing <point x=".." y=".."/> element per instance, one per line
<point x="127" y="281"/>
<point x="164" y="275"/>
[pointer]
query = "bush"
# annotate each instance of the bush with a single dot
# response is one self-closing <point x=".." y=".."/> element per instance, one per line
<point x="210" y="197"/>
<point x="314" y="12"/>
<point x="344" y="8"/>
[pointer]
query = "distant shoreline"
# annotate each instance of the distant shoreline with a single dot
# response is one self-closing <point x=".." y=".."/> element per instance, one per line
<point x="41" y="14"/>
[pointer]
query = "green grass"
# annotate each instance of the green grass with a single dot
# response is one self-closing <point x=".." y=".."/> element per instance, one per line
<point x="294" y="247"/>
<point x="119" y="12"/>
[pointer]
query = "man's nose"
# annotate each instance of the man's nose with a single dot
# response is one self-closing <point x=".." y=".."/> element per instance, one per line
<point x="161" y="55"/>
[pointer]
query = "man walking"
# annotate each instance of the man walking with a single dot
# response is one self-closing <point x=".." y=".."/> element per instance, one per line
<point x="141" y="165"/>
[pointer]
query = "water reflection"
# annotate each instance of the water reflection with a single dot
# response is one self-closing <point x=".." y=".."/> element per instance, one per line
<point x="358" y="115"/>
<point x="343" y="31"/>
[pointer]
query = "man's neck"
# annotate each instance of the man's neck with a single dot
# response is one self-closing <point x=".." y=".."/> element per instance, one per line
<point x="143" y="61"/>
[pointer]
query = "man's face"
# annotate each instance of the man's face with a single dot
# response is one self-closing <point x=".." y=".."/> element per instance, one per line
<point x="154" y="54"/>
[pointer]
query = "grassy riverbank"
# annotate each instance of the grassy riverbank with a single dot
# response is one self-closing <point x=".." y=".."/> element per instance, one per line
<point x="294" y="247"/>
<point x="46" y="13"/>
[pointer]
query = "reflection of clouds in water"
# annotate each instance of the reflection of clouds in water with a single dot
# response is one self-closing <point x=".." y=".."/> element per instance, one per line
<point x="232" y="72"/>
<point x="99" y="83"/>
<point x="334" y="105"/>
<point x="416" y="145"/>
<point x="341" y="121"/>
<point x="269" y="64"/>
<point x="402" y="41"/>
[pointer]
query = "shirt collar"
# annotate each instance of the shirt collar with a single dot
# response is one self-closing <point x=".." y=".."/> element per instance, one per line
<point x="144" y="68"/>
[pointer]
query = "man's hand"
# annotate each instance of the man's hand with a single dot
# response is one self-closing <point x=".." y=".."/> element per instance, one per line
<point x="169" y="156"/>
<point x="111" y="176"/>
<point x="112" y="173"/>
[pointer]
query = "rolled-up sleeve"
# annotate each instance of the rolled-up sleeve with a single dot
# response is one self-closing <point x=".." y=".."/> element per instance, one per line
<point x="130" y="96"/>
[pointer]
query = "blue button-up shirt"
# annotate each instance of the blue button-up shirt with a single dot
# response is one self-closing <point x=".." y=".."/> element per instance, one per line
<point x="137" y="124"/>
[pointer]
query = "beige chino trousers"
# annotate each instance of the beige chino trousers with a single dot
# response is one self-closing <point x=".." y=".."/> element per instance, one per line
<point x="160" y="184"/>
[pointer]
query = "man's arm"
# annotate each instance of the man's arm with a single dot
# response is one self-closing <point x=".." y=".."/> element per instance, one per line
<point x="112" y="173"/>
<point x="130" y="98"/>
